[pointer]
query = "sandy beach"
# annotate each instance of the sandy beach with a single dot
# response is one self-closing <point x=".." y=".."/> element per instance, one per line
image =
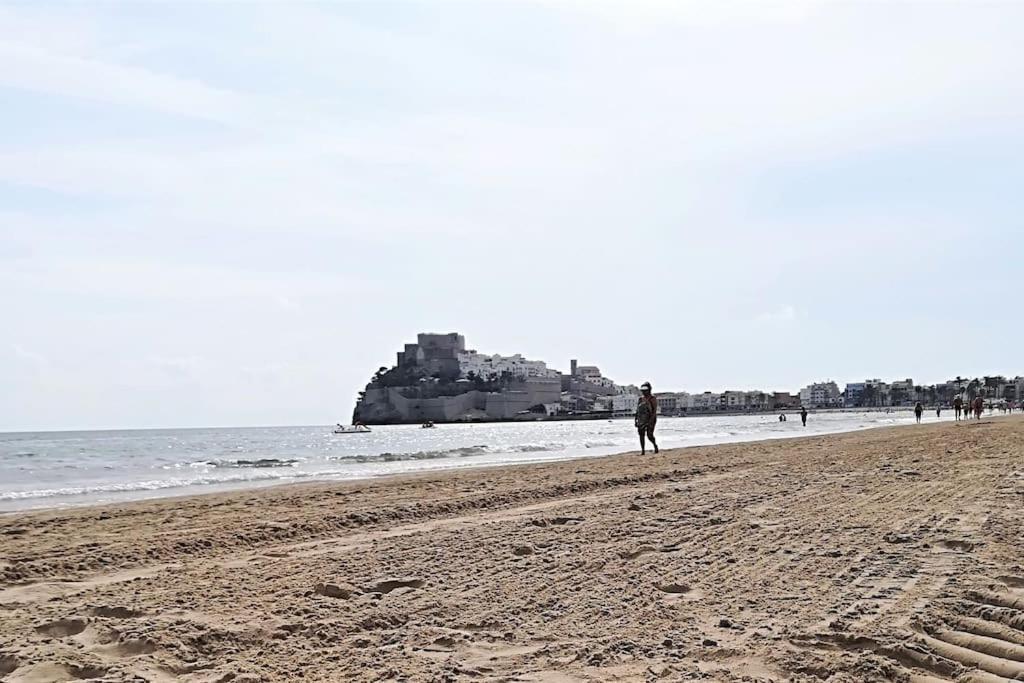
<point x="885" y="555"/>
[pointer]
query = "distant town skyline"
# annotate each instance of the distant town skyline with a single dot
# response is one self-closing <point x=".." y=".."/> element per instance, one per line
<point x="227" y="213"/>
<point x="438" y="378"/>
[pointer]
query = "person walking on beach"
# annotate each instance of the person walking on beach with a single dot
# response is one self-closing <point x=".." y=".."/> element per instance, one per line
<point x="938" y="411"/>
<point x="958" y="405"/>
<point x="803" y="415"/>
<point x="918" y="411"/>
<point x="979" y="407"/>
<point x="646" y="417"/>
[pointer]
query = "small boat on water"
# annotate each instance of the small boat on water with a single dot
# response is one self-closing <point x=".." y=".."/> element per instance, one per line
<point x="354" y="429"/>
<point x="427" y="425"/>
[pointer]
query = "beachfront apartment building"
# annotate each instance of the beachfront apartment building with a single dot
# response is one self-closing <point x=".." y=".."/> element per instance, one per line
<point x="707" y="401"/>
<point x="784" y="399"/>
<point x="996" y="389"/>
<point x="1017" y="384"/>
<point x="624" y="404"/>
<point x="902" y="393"/>
<point x="673" y="403"/>
<point x="870" y="393"/>
<point x="821" y="395"/>
<point x="759" y="400"/>
<point x="734" y="400"/>
<point x="853" y="395"/>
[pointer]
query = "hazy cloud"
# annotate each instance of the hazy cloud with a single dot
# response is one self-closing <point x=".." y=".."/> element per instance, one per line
<point x="207" y="199"/>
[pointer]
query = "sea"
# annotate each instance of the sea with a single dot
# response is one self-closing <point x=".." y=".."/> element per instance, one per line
<point x="56" y="469"/>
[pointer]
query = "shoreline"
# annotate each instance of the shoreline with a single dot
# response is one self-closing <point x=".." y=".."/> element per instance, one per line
<point x="272" y="486"/>
<point x="383" y="480"/>
<point x="80" y="500"/>
<point x="758" y="560"/>
<point x="107" y="430"/>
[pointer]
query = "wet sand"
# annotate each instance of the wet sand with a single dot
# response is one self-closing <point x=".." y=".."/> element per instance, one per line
<point x="885" y="555"/>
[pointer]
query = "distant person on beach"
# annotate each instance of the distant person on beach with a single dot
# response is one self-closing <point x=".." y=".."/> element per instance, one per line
<point x="918" y="411"/>
<point x="646" y="417"/>
<point x="979" y="407"/>
<point x="958" y="405"/>
<point x="938" y="412"/>
<point x="803" y="415"/>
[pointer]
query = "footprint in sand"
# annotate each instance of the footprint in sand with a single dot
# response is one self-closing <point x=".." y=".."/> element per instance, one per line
<point x="677" y="590"/>
<point x="557" y="521"/>
<point x="63" y="628"/>
<point x="388" y="585"/>
<point x="8" y="663"/>
<point x="49" y="671"/>
<point x="85" y="672"/>
<point x="117" y="612"/>
<point x="131" y="648"/>
<point x="633" y="554"/>
<point x="1011" y="581"/>
<point x="957" y="545"/>
<point x="342" y="591"/>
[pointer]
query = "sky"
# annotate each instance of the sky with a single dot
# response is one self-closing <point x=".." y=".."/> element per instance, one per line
<point x="233" y="213"/>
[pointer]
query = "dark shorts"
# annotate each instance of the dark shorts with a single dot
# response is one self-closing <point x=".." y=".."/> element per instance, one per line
<point x="647" y="429"/>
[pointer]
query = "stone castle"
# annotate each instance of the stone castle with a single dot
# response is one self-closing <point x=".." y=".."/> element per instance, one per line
<point x="438" y="379"/>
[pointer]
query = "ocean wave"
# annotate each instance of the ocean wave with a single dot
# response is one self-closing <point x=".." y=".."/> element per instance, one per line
<point x="463" y="452"/>
<point x="259" y="463"/>
<point x="149" y="485"/>
<point x="531" y="448"/>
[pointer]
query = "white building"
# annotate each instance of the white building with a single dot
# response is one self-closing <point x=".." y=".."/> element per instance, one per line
<point x="734" y="400"/>
<point x="821" y="395"/>
<point x="705" y="401"/>
<point x="624" y="403"/>
<point x="672" y="403"/>
<point x="484" y="366"/>
<point x="1018" y="384"/>
<point x="902" y="392"/>
<point x="759" y="400"/>
<point x="600" y="382"/>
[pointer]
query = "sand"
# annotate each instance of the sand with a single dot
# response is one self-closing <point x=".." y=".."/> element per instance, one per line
<point x="887" y="555"/>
